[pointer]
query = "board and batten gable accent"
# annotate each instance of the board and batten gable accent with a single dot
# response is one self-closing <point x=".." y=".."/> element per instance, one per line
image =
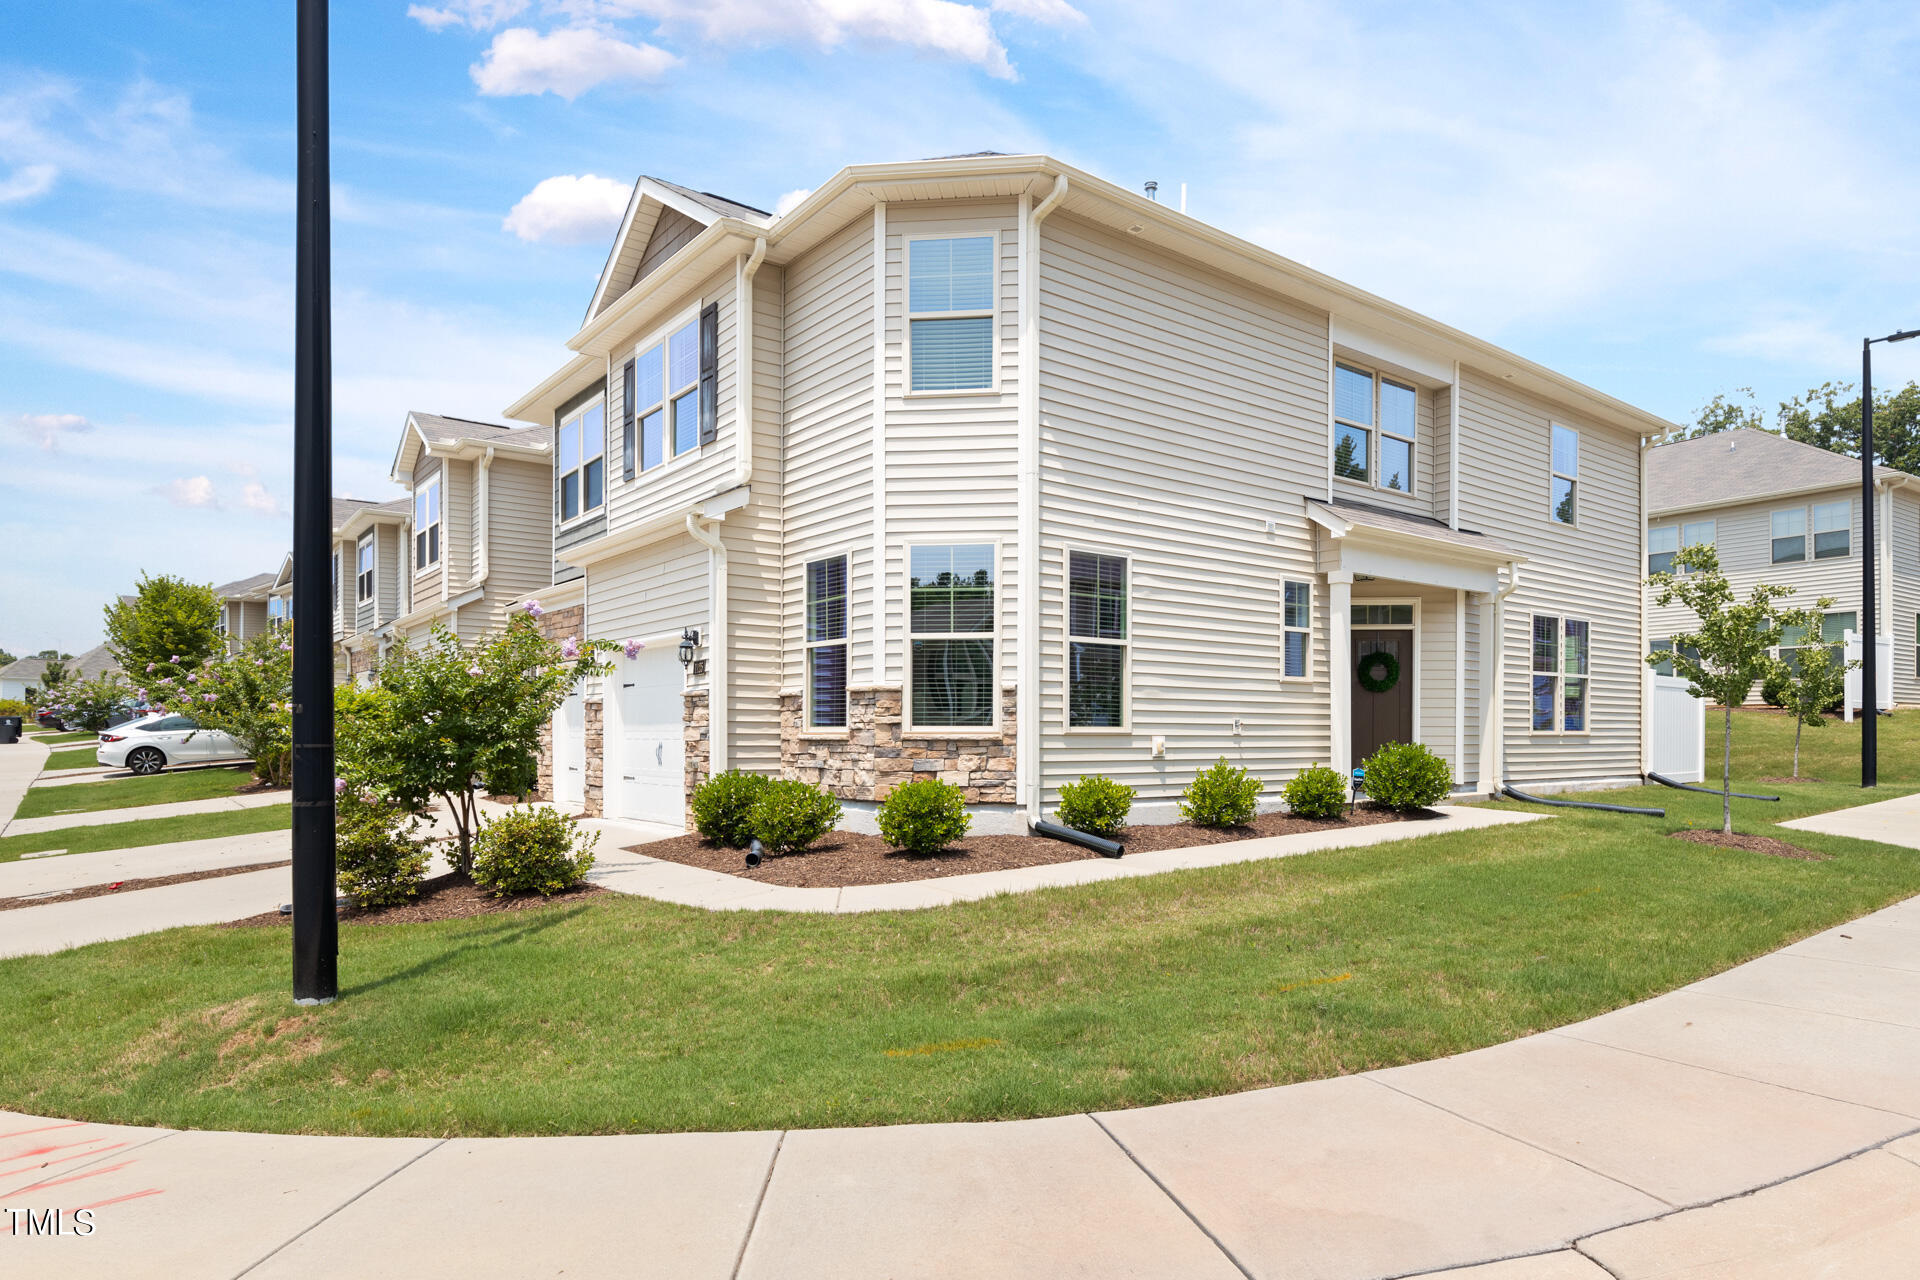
<point x="1180" y="410"/>
<point x="1590" y="570"/>
<point x="586" y="530"/>
<point x="827" y="376"/>
<point x="671" y="232"/>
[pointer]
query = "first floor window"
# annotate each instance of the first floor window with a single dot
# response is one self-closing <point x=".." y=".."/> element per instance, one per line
<point x="364" y="579"/>
<point x="1560" y="675"/>
<point x="1664" y="667"/>
<point x="827" y="643"/>
<point x="950" y="629"/>
<point x="1296" y="628"/>
<point x="1833" y="635"/>
<point x="1096" y="640"/>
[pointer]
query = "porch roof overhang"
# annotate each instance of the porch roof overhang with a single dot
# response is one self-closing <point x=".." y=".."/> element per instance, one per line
<point x="1377" y="542"/>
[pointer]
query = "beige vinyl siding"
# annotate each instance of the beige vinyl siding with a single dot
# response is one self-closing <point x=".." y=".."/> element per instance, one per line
<point x="342" y="590"/>
<point x="456" y="535"/>
<point x="1426" y="448"/>
<point x="953" y="459"/>
<point x="252" y="618"/>
<point x="426" y="584"/>
<point x="1591" y="571"/>
<point x="386" y="556"/>
<point x="1904" y="594"/>
<point x="671" y="232"/>
<point x="827" y="372"/>
<point x="1179" y="411"/>
<point x="519" y="534"/>
<point x="662" y="587"/>
<point x="1442" y="435"/>
<point x="755" y="597"/>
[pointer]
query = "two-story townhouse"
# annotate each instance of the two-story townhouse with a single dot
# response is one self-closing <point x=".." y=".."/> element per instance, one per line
<point x="985" y="468"/>
<point x="1783" y="512"/>
<point x="243" y="609"/>
<point x="280" y="595"/>
<point x="478" y="532"/>
<point x="369" y="579"/>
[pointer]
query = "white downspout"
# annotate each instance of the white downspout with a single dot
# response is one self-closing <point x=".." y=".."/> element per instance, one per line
<point x="877" y="447"/>
<point x="1026" y="733"/>
<point x="1646" y="669"/>
<point x="1493" y="662"/>
<point x="480" y="558"/>
<point x="1453" y="451"/>
<point x="743" y="361"/>
<point x="716" y="642"/>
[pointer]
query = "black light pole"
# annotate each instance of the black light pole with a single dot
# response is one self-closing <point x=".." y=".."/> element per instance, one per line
<point x="1869" y="628"/>
<point x="316" y="941"/>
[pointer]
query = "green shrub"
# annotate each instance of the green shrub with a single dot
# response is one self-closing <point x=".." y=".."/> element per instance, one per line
<point x="1095" y="805"/>
<point x="1777" y="688"/>
<point x="377" y="862"/>
<point x="1405" y="775"/>
<point x="515" y="776"/>
<point x="789" y="816"/>
<point x="531" y="850"/>
<point x="723" y="807"/>
<point x="924" y="816"/>
<point x="15" y="707"/>
<point x="1221" y="796"/>
<point x="1316" y="792"/>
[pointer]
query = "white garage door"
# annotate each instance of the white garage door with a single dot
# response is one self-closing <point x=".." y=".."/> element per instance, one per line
<point x="647" y="747"/>
<point x="570" y="754"/>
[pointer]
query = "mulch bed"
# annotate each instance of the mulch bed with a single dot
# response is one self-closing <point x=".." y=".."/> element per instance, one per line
<point x="255" y="787"/>
<point x="449" y="897"/>
<point x="843" y="858"/>
<point x="1751" y="844"/>
<point x="128" y="886"/>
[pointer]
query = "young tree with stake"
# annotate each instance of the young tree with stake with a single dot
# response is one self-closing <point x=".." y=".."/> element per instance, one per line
<point x="1815" y="680"/>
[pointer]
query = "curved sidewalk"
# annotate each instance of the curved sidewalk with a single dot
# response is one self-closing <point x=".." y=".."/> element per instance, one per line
<point x="1758" y="1124"/>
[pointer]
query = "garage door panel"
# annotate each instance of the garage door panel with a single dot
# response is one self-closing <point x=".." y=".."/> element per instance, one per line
<point x="648" y="749"/>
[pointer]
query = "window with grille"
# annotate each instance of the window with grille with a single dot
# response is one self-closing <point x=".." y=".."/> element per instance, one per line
<point x="1789" y="535"/>
<point x="826" y="643"/>
<point x="950" y="313"/>
<point x="1832" y="530"/>
<point x="1373" y="429"/>
<point x="951" y="634"/>
<point x="1296" y="628"/>
<point x="1097" y="640"/>
<point x="1560" y="675"/>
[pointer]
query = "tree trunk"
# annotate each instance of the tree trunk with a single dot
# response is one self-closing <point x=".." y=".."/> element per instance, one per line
<point x="1726" y="775"/>
<point x="1798" y="726"/>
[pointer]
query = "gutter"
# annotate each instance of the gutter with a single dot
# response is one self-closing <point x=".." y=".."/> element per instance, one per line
<point x="743" y="360"/>
<point x="1027" y="722"/>
<point x="717" y="639"/>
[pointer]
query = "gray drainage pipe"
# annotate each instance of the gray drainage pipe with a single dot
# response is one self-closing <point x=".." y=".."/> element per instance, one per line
<point x="1582" y="804"/>
<point x="1105" y="848"/>
<point x="1705" y="791"/>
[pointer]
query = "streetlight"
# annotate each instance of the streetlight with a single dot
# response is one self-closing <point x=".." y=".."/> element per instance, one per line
<point x="1869" y="627"/>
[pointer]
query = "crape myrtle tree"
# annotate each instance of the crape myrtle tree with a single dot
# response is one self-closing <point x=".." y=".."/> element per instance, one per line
<point x="448" y="715"/>
<point x="1814" y="680"/>
<point x="1728" y="652"/>
<point x="91" y="703"/>
<point x="247" y="695"/>
<point x="165" y="629"/>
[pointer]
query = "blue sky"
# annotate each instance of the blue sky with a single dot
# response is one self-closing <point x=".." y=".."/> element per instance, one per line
<point x="1664" y="201"/>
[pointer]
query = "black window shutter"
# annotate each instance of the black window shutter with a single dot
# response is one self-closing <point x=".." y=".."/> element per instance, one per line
<point x="626" y="420"/>
<point x="709" y="372"/>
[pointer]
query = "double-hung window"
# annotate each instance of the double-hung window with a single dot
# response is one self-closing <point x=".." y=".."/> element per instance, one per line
<point x="426" y="524"/>
<point x="1565" y="475"/>
<point x="1296" y="628"/>
<point x="1789" y="535"/>
<point x="1373" y="429"/>
<point x="279" y="611"/>
<point x="950" y="630"/>
<point x="950" y="314"/>
<point x="1833" y="635"/>
<point x="1832" y="529"/>
<point x="364" y="574"/>
<point x="582" y="459"/>
<point x="827" y="643"/>
<point x="666" y="397"/>
<point x="1560" y="676"/>
<point x="1663" y="544"/>
<point x="1096" y="641"/>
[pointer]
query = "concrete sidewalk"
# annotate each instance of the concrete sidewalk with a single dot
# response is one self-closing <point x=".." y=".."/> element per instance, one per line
<point x="140" y="813"/>
<point x="32" y="931"/>
<point x="1895" y="821"/>
<point x="77" y="870"/>
<point x="20" y="764"/>
<point x="1630" y="1141"/>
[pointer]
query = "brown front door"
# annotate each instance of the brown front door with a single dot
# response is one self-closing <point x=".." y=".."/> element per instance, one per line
<point x="1386" y="716"/>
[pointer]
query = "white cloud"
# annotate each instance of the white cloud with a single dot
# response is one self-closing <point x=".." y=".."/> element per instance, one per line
<point x="961" y="31"/>
<point x="567" y="62"/>
<point x="47" y="429"/>
<point x="191" y="491"/>
<point x="570" y="209"/>
<point x="1053" y="13"/>
<point x="255" y="497"/>
<point x="790" y="201"/>
<point x="479" y="15"/>
<point x="26" y="182"/>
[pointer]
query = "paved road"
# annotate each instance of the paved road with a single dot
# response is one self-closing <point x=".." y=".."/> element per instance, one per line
<point x="1628" y="1142"/>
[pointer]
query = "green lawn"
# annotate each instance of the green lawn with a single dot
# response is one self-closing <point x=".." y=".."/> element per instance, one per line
<point x="127" y="793"/>
<point x="621" y="1014"/>
<point x="78" y="758"/>
<point x="56" y="739"/>
<point x="146" y="831"/>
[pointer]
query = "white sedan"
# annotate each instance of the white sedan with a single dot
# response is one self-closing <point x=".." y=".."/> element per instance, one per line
<point x="150" y="745"/>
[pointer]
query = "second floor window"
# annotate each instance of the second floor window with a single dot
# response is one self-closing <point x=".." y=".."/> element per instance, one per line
<point x="1832" y="530"/>
<point x="1565" y="477"/>
<point x="827" y="643"/>
<point x="426" y="524"/>
<point x="666" y="398"/>
<point x="950" y="314"/>
<point x="363" y="590"/>
<point x="582" y="459"/>
<point x="950" y="631"/>
<point x="1373" y="429"/>
<point x="1664" y="542"/>
<point x="1789" y="535"/>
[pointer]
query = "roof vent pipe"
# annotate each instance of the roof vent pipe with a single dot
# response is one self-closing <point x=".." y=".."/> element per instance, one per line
<point x="1153" y="192"/>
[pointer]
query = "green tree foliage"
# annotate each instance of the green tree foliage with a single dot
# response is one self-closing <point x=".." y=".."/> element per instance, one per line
<point x="1828" y="416"/>
<point x="247" y="695"/>
<point x="1728" y="652"/>
<point x="1815" y="681"/>
<point x="53" y="675"/>
<point x="7" y="659"/>
<point x="1726" y="413"/>
<point x="165" y="629"/>
<point x="91" y="703"/>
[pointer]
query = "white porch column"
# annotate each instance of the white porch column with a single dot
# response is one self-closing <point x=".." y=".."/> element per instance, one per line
<point x="1339" y="680"/>
<point x="1492" y="694"/>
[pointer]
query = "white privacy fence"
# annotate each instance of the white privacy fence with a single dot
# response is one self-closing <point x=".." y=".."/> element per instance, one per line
<point x="1883" y="678"/>
<point x="1679" y="738"/>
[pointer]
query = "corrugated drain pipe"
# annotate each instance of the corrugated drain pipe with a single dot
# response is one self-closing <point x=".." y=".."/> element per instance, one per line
<point x="1665" y="781"/>
<point x="1507" y="789"/>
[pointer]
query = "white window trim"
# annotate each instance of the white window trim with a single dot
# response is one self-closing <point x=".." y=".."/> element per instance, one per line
<point x="371" y="542"/>
<point x="907" y="636"/>
<point x="1313" y="607"/>
<point x="1554" y="473"/>
<point x="1814" y="532"/>
<point x="1067" y="639"/>
<point x="1559" y="675"/>
<point x="439" y="522"/>
<point x="1806" y="534"/>
<point x="1780" y="650"/>
<point x="606" y="457"/>
<point x="1378" y="431"/>
<point x="807" y="728"/>
<point x="908" y="316"/>
<point x="659" y="335"/>
<point x="1678" y="546"/>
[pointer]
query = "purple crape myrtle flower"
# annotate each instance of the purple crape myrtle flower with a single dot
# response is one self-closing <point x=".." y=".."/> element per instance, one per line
<point x="633" y="648"/>
<point x="534" y="610"/>
<point x="475" y="671"/>
<point x="174" y="658"/>
<point x="570" y="648"/>
<point x="206" y="697"/>
<point x="339" y="786"/>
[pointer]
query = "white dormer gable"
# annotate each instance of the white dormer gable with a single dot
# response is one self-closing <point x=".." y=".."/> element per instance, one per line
<point x="660" y="217"/>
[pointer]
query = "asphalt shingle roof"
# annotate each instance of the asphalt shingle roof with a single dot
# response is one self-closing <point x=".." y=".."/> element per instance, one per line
<point x="719" y="204"/>
<point x="1742" y="466"/>
<point x="1391" y="521"/>
<point x="257" y="585"/>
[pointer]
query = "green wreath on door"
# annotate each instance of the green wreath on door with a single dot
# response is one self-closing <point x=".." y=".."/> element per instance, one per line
<point x="1378" y="672"/>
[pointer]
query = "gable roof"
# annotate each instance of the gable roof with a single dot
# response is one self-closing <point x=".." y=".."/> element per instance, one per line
<point x="85" y="666"/>
<point x="651" y="197"/>
<point x="427" y="430"/>
<point x="240" y="588"/>
<point x="344" y="510"/>
<point x="1744" y="465"/>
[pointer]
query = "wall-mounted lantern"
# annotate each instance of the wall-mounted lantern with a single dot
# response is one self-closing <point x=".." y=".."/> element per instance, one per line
<point x="689" y="639"/>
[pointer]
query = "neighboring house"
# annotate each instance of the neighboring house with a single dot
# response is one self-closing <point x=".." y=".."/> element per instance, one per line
<point x="26" y="673"/>
<point x="1787" y="513"/>
<point x="985" y="469"/>
<point x="244" y="609"/>
<point x="479" y="527"/>
<point x="369" y="578"/>
<point x="280" y="595"/>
